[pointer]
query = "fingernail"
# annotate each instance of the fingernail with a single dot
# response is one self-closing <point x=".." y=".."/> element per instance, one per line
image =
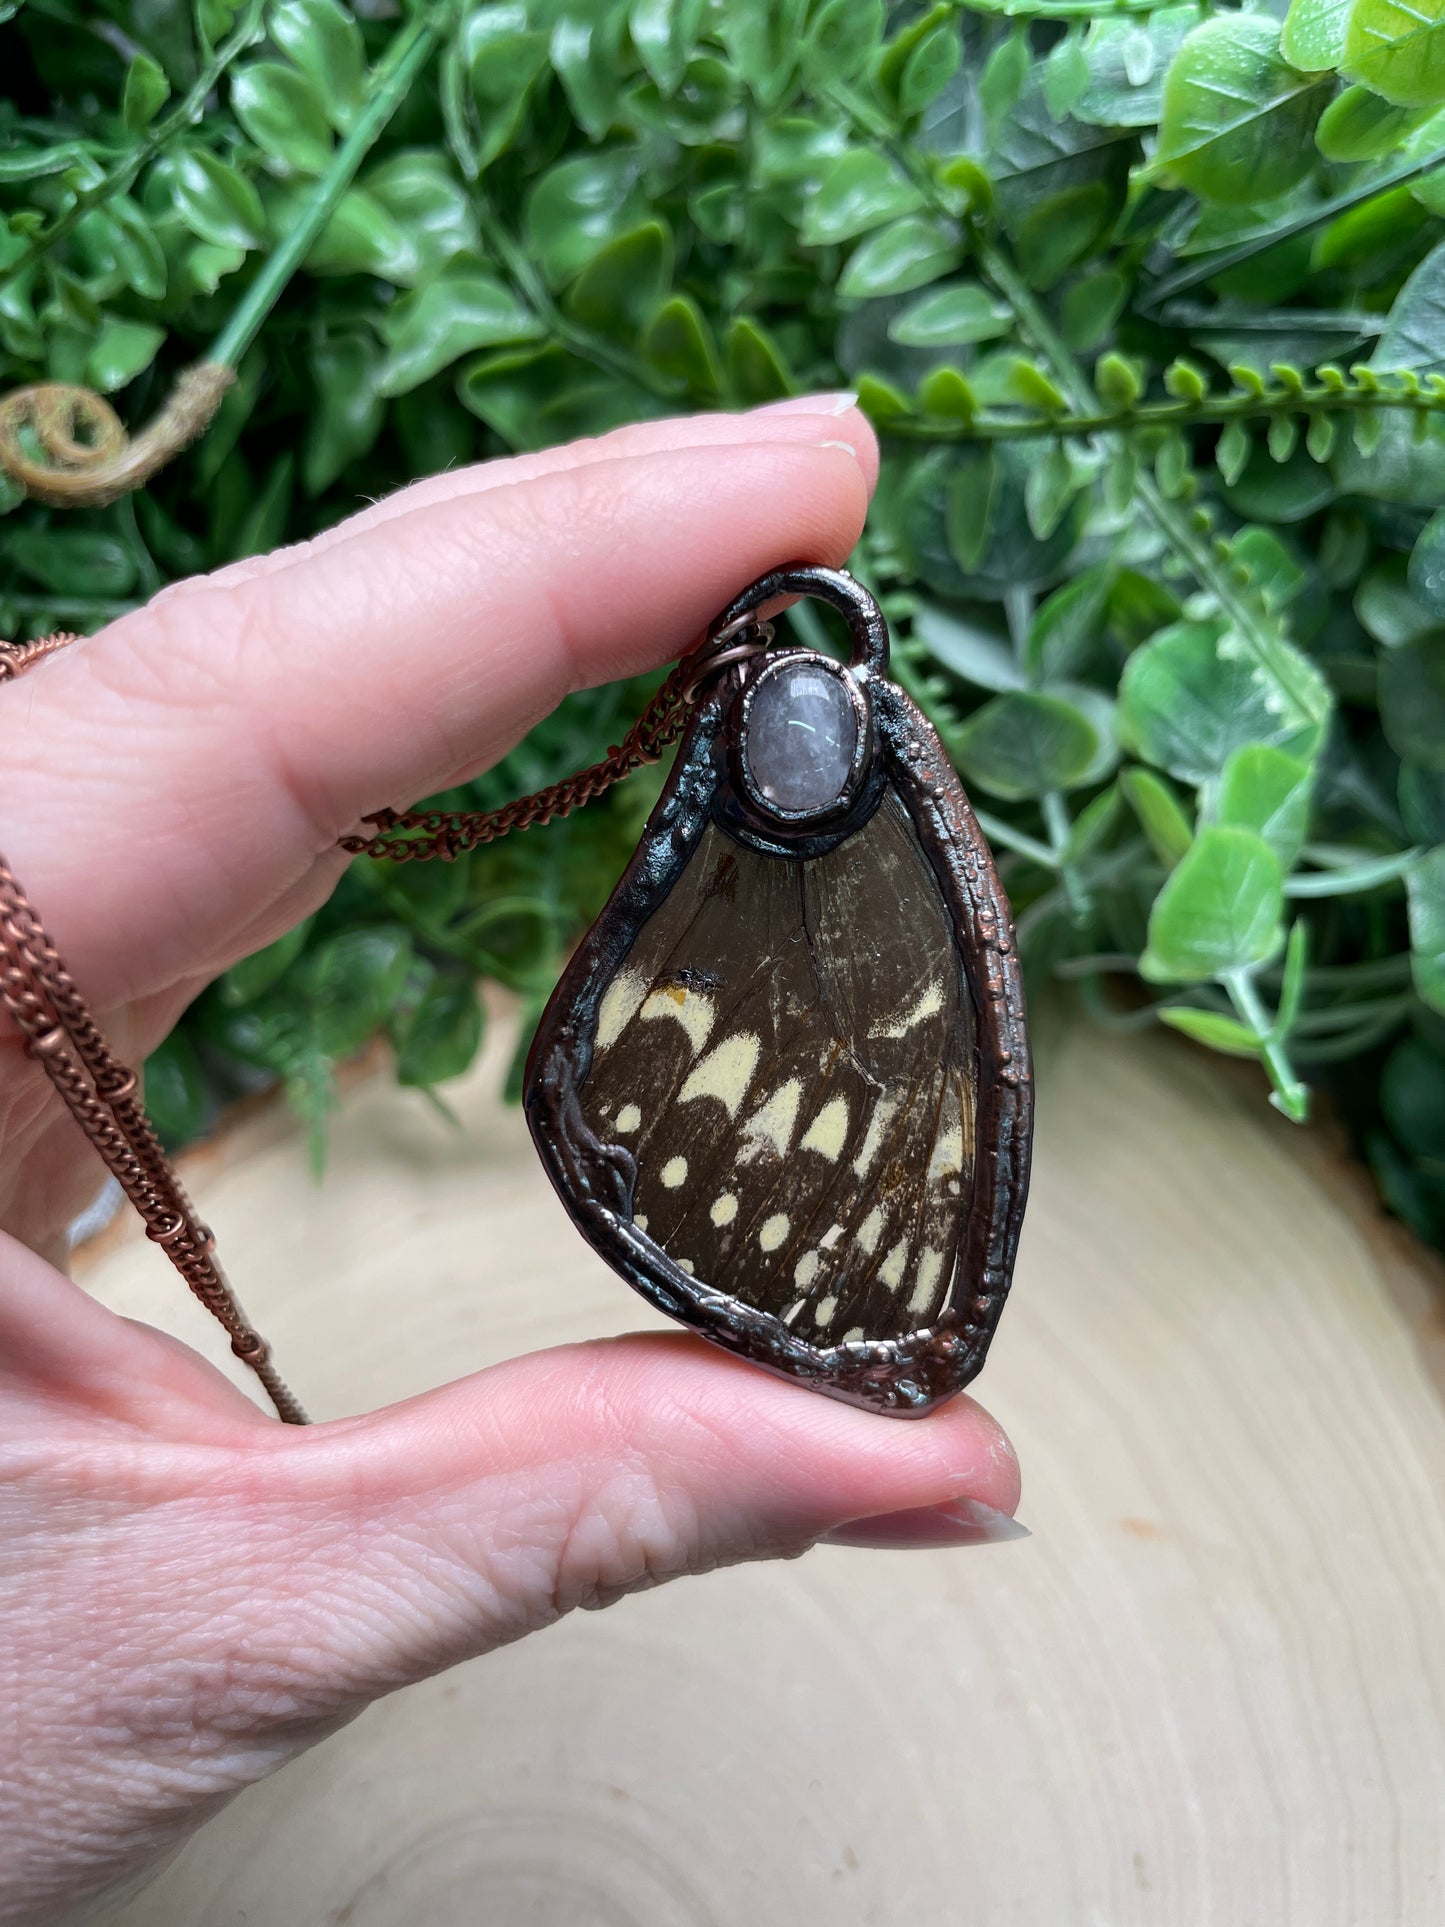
<point x="959" y="1522"/>
<point x="835" y="404"/>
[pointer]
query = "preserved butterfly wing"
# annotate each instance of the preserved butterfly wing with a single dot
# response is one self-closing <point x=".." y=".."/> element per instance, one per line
<point x="783" y="1086"/>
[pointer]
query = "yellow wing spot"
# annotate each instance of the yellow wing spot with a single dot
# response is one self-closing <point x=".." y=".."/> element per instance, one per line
<point x="884" y="1112"/>
<point x="830" y="1237"/>
<point x="869" y="1230"/>
<point x="774" y="1122"/>
<point x="828" y="1130"/>
<point x="928" y="1005"/>
<point x="619" y="1006"/>
<point x="725" y="1072"/>
<point x="693" y="1009"/>
<point x="925" y="1284"/>
<point x="946" y="1162"/>
<point x="628" y="1118"/>
<point x="806" y="1270"/>
<point x="674" y="1173"/>
<point x="724" y="1209"/>
<point x="641" y="1221"/>
<point x="826" y="1307"/>
<point x="686" y="1264"/>
<point x="852" y="1337"/>
<point x="774" y="1230"/>
<point x="891" y="1269"/>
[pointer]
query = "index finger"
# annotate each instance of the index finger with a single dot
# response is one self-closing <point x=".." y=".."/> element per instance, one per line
<point x="188" y="770"/>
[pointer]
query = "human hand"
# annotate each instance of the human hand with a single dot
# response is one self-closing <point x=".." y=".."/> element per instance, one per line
<point x="191" y="1592"/>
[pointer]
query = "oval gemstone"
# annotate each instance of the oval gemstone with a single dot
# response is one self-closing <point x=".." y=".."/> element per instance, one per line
<point x="801" y="739"/>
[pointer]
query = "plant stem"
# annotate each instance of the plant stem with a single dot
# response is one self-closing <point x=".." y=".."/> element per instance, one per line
<point x="1168" y="517"/>
<point x="1345" y="882"/>
<point x="1220" y="261"/>
<point x="1313" y="399"/>
<point x="1291" y="1096"/>
<point x="124" y="172"/>
<point x="998" y="830"/>
<point x="389" y="81"/>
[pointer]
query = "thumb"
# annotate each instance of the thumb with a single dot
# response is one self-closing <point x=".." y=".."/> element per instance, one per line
<point x="435" y="1530"/>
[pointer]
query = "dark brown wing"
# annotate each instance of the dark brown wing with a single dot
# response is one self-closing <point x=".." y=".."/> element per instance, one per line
<point x="788" y="1052"/>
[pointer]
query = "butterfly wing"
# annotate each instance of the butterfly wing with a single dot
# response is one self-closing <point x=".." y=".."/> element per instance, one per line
<point x="762" y="1087"/>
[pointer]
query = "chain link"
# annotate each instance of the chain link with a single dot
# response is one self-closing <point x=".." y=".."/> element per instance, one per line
<point x="101" y="1093"/>
<point x="450" y="833"/>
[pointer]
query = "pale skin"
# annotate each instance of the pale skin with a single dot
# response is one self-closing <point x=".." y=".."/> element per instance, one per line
<point x="191" y="1593"/>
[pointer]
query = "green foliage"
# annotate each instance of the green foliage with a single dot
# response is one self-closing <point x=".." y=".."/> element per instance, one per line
<point x="1148" y="304"/>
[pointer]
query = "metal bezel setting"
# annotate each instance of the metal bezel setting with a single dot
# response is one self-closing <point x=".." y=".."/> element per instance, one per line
<point x="780" y="663"/>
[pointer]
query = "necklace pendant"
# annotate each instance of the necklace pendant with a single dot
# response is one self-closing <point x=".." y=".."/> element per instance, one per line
<point x="783" y="1086"/>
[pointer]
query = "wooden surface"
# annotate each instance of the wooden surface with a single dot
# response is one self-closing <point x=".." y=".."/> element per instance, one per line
<point x="1210" y="1689"/>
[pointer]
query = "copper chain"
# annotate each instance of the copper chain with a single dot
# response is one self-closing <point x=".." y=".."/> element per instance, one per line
<point x="450" y="833"/>
<point x="101" y="1093"/>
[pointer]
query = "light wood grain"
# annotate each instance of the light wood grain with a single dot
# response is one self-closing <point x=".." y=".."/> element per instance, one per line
<point x="1210" y="1690"/>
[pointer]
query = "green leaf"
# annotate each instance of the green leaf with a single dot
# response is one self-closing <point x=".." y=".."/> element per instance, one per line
<point x="929" y="68"/>
<point x="120" y="351"/>
<point x="1063" y="638"/>
<point x="1427" y="566"/>
<point x="1359" y="126"/>
<point x="441" y="1036"/>
<point x="762" y="38"/>
<point x="972" y="491"/>
<point x="581" y="204"/>
<point x="1024" y="743"/>
<point x="429" y="329"/>
<point x="349" y="412"/>
<point x="146" y="91"/>
<point x="1264" y="790"/>
<point x="1002" y="81"/>
<point x="945" y="393"/>
<point x="1233" y="450"/>
<point x="503" y="56"/>
<point x="978" y="656"/>
<point x="1313" y="38"/>
<point x="72" y="562"/>
<point x="1238" y="120"/>
<point x="1193" y="695"/>
<point x="1425" y="894"/>
<point x="1397" y="48"/>
<point x="176" y="1098"/>
<point x="842" y="40"/>
<point x="756" y="371"/>
<point x="859" y="191"/>
<point x="1091" y="307"/>
<point x="952" y="316"/>
<point x="1412" y="699"/>
<point x="246" y="980"/>
<point x="1387" y="607"/>
<point x="679" y="344"/>
<point x="324" y="41"/>
<point x="1126" y="57"/>
<point x="362" y="237"/>
<point x="1220" y="909"/>
<point x="623" y="283"/>
<point x="906" y="254"/>
<point x="1211" y="1028"/>
<point x="1119" y="381"/>
<point x="215" y="201"/>
<point x="285" y="116"/>
<point x="1161" y="815"/>
<point x="664" y="33"/>
<point x="1051" y="486"/>
<point x="349" y="983"/>
<point x="1414" y="336"/>
<point x="1292" y="978"/>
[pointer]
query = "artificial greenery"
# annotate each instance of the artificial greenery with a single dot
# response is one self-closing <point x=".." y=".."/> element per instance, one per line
<point x="1147" y="303"/>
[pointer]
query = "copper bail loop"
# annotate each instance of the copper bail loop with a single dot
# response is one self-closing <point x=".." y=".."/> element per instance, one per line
<point x="742" y="639"/>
